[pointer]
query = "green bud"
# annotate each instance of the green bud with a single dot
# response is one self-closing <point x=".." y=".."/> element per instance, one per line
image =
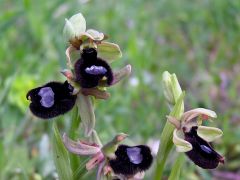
<point x="171" y="88"/>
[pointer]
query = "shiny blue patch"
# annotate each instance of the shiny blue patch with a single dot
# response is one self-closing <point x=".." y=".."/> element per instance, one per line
<point x="47" y="97"/>
<point x="135" y="155"/>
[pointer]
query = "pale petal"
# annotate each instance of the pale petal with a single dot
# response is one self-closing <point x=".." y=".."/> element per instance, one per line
<point x="209" y="133"/>
<point x="189" y="115"/>
<point x="109" y="51"/>
<point x="97" y="36"/>
<point x="79" y="147"/>
<point x="100" y="170"/>
<point x="181" y="144"/>
<point x="68" y="31"/>
<point x="72" y="54"/>
<point x="74" y="27"/>
<point x="122" y="73"/>
<point x="117" y="76"/>
<point x="138" y="176"/>
<point x="94" y="161"/>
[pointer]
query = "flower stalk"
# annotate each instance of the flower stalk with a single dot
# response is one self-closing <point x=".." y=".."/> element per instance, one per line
<point x="174" y="98"/>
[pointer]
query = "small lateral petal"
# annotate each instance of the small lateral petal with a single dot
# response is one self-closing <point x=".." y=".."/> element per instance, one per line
<point x="181" y="144"/>
<point x="97" y="36"/>
<point x="209" y="134"/>
<point x="71" y="54"/>
<point x="117" y="76"/>
<point x="122" y="73"/>
<point x="94" y="161"/>
<point x="79" y="147"/>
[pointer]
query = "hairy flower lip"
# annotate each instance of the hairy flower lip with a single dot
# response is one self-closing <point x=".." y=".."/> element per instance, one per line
<point x="202" y="153"/>
<point x="61" y="98"/>
<point x="131" y="160"/>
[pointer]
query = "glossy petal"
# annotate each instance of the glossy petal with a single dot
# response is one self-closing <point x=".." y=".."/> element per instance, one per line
<point x="209" y="134"/>
<point x="134" y="154"/>
<point x="109" y="51"/>
<point x="77" y="147"/>
<point x="181" y="144"/>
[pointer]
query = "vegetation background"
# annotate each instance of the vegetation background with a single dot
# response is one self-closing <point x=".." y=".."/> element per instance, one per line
<point x="197" y="40"/>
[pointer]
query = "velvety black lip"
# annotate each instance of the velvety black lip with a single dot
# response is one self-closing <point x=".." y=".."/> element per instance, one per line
<point x="89" y="59"/>
<point x="202" y="154"/>
<point x="63" y="100"/>
<point x="125" y="166"/>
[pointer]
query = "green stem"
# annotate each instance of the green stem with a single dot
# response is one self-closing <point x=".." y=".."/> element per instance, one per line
<point x="166" y="138"/>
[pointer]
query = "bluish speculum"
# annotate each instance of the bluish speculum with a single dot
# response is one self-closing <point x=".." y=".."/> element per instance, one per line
<point x="202" y="154"/>
<point x="96" y="70"/>
<point x="206" y="149"/>
<point x="135" y="155"/>
<point x="47" y="97"/>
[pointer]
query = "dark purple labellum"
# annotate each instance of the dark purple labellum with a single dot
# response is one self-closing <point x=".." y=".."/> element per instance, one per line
<point x="131" y="160"/>
<point x="51" y="100"/>
<point x="90" y="69"/>
<point x="202" y="153"/>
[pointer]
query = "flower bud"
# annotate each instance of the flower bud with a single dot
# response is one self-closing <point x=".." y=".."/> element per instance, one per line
<point x="171" y="88"/>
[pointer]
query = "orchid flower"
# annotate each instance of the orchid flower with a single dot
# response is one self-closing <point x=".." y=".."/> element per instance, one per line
<point x="92" y="57"/>
<point x="192" y="138"/>
<point x="51" y="99"/>
<point x="112" y="159"/>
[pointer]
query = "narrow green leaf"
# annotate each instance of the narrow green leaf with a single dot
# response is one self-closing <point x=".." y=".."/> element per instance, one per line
<point x="60" y="156"/>
<point x="176" y="169"/>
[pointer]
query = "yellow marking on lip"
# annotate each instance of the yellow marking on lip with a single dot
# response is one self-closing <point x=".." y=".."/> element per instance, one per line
<point x="104" y="78"/>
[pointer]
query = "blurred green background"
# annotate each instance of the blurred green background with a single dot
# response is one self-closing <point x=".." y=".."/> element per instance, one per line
<point x="197" y="40"/>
